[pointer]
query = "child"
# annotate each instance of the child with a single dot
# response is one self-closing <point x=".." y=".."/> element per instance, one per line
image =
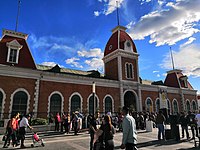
<point x="37" y="139"/>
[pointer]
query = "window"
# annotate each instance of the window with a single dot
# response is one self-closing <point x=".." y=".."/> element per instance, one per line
<point x="13" y="51"/>
<point x="129" y="71"/>
<point x="168" y="106"/>
<point x="108" y="104"/>
<point x="19" y="102"/>
<point x="175" y="106"/>
<point x="75" y="103"/>
<point x="194" y="107"/>
<point x="157" y="105"/>
<point x="149" y="105"/>
<point x="187" y="105"/>
<point x="55" y="103"/>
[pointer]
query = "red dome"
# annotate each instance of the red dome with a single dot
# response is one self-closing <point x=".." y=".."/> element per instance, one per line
<point x="112" y="43"/>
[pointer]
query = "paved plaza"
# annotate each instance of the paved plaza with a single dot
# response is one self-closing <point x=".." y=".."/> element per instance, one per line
<point x="146" y="141"/>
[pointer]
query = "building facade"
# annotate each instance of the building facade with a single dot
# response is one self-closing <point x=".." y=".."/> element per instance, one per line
<point x="26" y="87"/>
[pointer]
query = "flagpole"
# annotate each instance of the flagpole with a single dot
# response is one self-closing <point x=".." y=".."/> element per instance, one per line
<point x="17" y="15"/>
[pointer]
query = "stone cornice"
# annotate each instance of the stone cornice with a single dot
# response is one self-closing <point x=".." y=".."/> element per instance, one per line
<point x="120" y="52"/>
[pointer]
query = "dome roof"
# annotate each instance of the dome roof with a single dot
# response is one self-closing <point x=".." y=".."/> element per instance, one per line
<point x="112" y="43"/>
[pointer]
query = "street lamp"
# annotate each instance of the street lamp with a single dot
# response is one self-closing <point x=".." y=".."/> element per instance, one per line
<point x="93" y="92"/>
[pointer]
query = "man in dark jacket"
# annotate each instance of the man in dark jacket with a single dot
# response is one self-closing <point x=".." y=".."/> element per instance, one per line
<point x="192" y="123"/>
<point x="184" y="124"/>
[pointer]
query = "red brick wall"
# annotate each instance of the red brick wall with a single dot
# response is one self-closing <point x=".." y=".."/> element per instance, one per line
<point x="67" y="89"/>
<point x="10" y="84"/>
<point x="111" y="69"/>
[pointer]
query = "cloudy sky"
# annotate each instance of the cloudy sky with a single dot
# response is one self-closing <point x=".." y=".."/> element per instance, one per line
<point x="73" y="33"/>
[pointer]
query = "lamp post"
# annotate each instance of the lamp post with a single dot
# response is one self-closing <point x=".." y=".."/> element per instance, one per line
<point x="93" y="92"/>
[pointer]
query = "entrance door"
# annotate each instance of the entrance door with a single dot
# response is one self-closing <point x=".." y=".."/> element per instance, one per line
<point x="130" y="100"/>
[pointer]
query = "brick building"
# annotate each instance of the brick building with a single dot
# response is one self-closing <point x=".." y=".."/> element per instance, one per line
<point x="30" y="88"/>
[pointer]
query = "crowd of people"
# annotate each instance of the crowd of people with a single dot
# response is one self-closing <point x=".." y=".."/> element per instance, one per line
<point x="16" y="130"/>
<point x="103" y="127"/>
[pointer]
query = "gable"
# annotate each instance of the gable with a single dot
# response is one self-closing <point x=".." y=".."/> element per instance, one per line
<point x="25" y="58"/>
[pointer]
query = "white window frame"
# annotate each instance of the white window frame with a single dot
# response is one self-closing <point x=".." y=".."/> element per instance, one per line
<point x="15" y="46"/>
<point x="131" y="74"/>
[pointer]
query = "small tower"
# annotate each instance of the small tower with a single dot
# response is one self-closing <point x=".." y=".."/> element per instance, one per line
<point x="121" y="57"/>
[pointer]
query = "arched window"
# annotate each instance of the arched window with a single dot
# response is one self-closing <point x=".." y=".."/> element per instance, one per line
<point x="149" y="105"/>
<point x="55" y="103"/>
<point x="194" y="106"/>
<point x="75" y="103"/>
<point x="175" y="106"/>
<point x="129" y="71"/>
<point x="1" y="101"/>
<point x="157" y="105"/>
<point x="168" y="106"/>
<point x="187" y="105"/>
<point x="19" y="102"/>
<point x="91" y="104"/>
<point x="108" y="104"/>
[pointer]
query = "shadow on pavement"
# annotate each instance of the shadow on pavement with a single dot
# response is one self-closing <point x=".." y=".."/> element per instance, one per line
<point x="158" y="143"/>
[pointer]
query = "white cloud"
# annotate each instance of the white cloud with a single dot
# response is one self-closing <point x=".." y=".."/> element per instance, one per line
<point x="97" y="13"/>
<point x="95" y="52"/>
<point x="109" y="7"/>
<point x="73" y="62"/>
<point x="169" y="26"/>
<point x="49" y="63"/>
<point x="158" y="75"/>
<point x="155" y="71"/>
<point x="95" y="63"/>
<point x="186" y="59"/>
<point x="190" y="40"/>
<point x="144" y="1"/>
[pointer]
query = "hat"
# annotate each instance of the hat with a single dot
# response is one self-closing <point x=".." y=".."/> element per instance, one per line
<point x="76" y="112"/>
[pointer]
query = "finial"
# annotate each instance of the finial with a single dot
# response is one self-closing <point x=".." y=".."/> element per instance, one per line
<point x="172" y="58"/>
<point x="19" y="2"/>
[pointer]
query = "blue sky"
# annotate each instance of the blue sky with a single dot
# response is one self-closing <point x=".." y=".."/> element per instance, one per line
<point x="73" y="33"/>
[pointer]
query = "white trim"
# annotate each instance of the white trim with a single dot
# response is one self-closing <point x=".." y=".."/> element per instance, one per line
<point x="3" y="103"/>
<point x="12" y="96"/>
<point x="15" y="46"/>
<point x="151" y="103"/>
<point x="108" y="95"/>
<point x="136" y="98"/>
<point x="89" y="99"/>
<point x="15" y="34"/>
<point x="126" y="48"/>
<point x="173" y="104"/>
<point x="81" y="98"/>
<point x="131" y="73"/>
<point x="62" y="101"/>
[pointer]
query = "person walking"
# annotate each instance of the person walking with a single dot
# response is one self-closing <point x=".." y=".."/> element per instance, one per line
<point x="108" y="132"/>
<point x="184" y="124"/>
<point x="22" y="128"/>
<point x="57" y="121"/>
<point x="192" y="124"/>
<point x="8" y="132"/>
<point x="92" y="129"/>
<point x="160" y="120"/>
<point x="129" y="139"/>
<point x="197" y="117"/>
